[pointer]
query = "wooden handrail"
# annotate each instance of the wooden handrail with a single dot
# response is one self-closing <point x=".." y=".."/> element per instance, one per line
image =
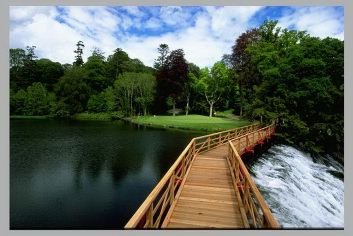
<point x="257" y="212"/>
<point x="151" y="212"/>
<point x="229" y="130"/>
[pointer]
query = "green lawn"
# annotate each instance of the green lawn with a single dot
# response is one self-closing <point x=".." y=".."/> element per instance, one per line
<point x="28" y="117"/>
<point x="192" y="122"/>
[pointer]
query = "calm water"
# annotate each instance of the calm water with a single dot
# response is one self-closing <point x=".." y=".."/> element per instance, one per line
<point x="87" y="174"/>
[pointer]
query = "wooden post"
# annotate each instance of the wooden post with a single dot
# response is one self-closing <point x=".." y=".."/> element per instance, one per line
<point x="183" y="167"/>
<point x="150" y="216"/>
<point x="193" y="149"/>
<point x="172" y="188"/>
<point x="208" y="143"/>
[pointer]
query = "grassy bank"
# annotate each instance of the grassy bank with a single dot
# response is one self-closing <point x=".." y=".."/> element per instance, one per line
<point x="191" y="122"/>
<point x="20" y="117"/>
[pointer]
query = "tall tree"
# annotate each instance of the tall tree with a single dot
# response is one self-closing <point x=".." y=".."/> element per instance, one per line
<point x="95" y="67"/>
<point x="161" y="61"/>
<point x="49" y="73"/>
<point x="213" y="84"/>
<point x="117" y="64"/>
<point x="73" y="90"/>
<point x="240" y="59"/>
<point x="189" y="85"/>
<point x="79" y="52"/>
<point x="17" y="57"/>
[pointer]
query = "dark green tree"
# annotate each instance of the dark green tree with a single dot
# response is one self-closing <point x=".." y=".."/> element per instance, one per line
<point x="79" y="52"/>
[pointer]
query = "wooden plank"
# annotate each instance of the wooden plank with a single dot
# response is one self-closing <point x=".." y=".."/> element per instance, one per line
<point x="208" y="205"/>
<point x="205" y="224"/>
<point x="191" y="187"/>
<point x="214" y="196"/>
<point x="206" y="218"/>
<point x="208" y="200"/>
<point x="170" y="211"/>
<point x="206" y="168"/>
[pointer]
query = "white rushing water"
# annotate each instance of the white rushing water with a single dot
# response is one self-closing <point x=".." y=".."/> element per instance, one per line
<point x="300" y="191"/>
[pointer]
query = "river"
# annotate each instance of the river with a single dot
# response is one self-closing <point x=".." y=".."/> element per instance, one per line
<point x="301" y="191"/>
<point x="94" y="175"/>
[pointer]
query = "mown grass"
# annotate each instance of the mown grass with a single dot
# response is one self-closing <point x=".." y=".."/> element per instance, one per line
<point x="191" y="122"/>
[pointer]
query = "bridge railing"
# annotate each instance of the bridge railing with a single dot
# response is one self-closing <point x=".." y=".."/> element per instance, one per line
<point x="244" y="143"/>
<point x="210" y="141"/>
<point x="254" y="210"/>
<point x="153" y="211"/>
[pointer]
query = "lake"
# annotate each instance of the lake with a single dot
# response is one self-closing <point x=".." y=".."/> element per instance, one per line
<point x="95" y="175"/>
<point x="85" y="174"/>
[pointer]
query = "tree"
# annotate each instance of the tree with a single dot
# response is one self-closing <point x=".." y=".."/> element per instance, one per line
<point x="38" y="101"/>
<point x="17" y="102"/>
<point x="145" y="91"/>
<point x="26" y="73"/>
<point x="134" y="89"/>
<point x="163" y="51"/>
<point x="116" y="64"/>
<point x="79" y="52"/>
<point x="49" y="73"/>
<point x="296" y="86"/>
<point x="73" y="90"/>
<point x="240" y="60"/>
<point x="213" y="84"/>
<point x="95" y="68"/>
<point x="171" y="78"/>
<point x="193" y="75"/>
<point x="17" y="57"/>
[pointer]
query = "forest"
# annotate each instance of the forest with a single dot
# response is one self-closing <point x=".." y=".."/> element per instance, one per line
<point x="270" y="74"/>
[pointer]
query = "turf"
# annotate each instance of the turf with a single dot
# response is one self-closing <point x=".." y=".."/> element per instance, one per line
<point x="192" y="122"/>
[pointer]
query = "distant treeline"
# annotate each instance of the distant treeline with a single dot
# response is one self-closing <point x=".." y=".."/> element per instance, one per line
<point x="270" y="74"/>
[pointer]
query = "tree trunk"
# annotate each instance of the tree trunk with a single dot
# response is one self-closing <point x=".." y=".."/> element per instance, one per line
<point x="144" y="111"/>
<point x="187" y="106"/>
<point x="211" y="109"/>
<point x="173" y="107"/>
<point x="241" y="100"/>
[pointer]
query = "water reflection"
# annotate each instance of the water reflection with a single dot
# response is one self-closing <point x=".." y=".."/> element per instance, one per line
<point x="86" y="175"/>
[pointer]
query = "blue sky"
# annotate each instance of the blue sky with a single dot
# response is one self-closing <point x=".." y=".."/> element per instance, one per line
<point x="205" y="33"/>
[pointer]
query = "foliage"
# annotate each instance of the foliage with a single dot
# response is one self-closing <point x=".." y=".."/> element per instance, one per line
<point x="213" y="83"/>
<point x="73" y="91"/>
<point x="134" y="92"/>
<point x="35" y="101"/>
<point x="297" y="84"/>
<point x="172" y="75"/>
<point x="79" y="52"/>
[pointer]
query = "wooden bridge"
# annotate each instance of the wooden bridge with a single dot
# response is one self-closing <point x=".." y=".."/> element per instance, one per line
<point x="209" y="186"/>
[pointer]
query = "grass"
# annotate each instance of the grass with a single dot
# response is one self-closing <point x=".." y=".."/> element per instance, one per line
<point x="191" y="122"/>
<point x="28" y="117"/>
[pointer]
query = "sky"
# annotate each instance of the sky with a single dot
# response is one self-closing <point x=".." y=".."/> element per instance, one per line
<point x="205" y="33"/>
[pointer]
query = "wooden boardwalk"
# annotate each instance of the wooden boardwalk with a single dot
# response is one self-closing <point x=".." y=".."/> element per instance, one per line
<point x="208" y="197"/>
<point x="209" y="186"/>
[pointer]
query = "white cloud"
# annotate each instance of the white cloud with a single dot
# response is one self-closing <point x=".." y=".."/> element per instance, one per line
<point x="317" y="21"/>
<point x="153" y="23"/>
<point x="205" y="35"/>
<point x="230" y="21"/>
